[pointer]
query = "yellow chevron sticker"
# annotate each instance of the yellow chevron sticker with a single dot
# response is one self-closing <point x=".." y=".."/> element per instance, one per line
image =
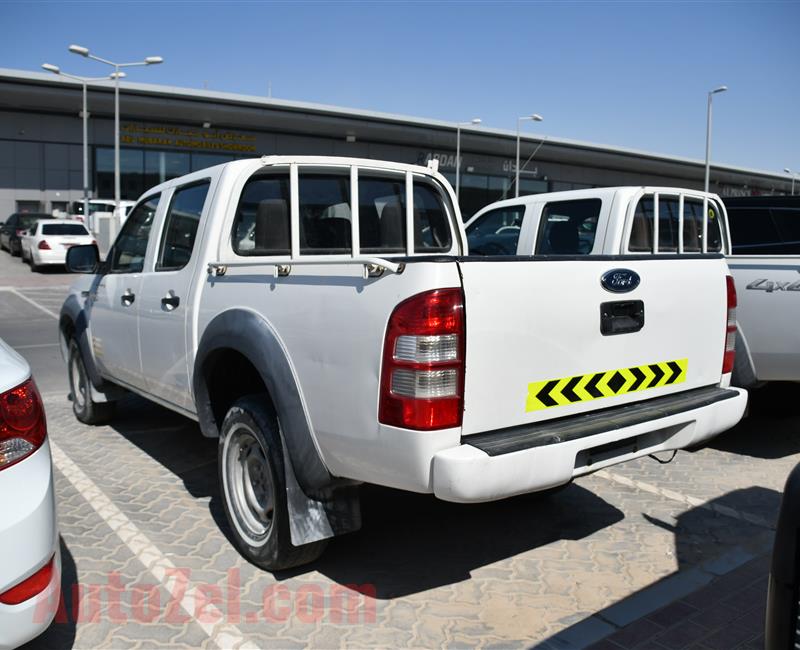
<point x="609" y="383"/>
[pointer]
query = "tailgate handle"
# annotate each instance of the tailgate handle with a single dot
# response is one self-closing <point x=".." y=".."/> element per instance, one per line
<point x="621" y="317"/>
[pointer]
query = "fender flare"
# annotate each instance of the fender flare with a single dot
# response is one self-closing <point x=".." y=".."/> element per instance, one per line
<point x="72" y="312"/>
<point x="249" y="334"/>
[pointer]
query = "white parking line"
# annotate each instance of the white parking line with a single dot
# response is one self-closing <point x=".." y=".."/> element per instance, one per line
<point x="32" y="302"/>
<point x="223" y="635"/>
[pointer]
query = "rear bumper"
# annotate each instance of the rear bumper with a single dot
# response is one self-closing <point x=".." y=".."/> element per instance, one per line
<point x="55" y="256"/>
<point x="505" y="463"/>
<point x="28" y="539"/>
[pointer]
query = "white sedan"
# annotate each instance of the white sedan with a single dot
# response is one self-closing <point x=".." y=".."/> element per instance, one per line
<point x="47" y="241"/>
<point x="30" y="570"/>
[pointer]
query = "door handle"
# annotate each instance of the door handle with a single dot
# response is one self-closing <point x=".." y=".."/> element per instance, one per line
<point x="170" y="301"/>
<point x="128" y="297"/>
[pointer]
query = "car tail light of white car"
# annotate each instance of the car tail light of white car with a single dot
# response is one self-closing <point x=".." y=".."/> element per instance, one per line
<point x="43" y="245"/>
<point x="730" y="328"/>
<point x="23" y="427"/>
<point x="422" y="380"/>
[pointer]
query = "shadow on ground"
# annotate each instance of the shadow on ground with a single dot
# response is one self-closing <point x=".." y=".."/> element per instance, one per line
<point x="409" y="542"/>
<point x="772" y="427"/>
<point x="710" y="549"/>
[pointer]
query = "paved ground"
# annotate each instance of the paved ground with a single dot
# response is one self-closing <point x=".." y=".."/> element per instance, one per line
<point x="663" y="556"/>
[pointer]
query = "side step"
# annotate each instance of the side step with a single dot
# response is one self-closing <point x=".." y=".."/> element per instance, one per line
<point x="505" y="441"/>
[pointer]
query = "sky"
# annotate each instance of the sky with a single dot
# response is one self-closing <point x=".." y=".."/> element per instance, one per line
<point x="629" y="74"/>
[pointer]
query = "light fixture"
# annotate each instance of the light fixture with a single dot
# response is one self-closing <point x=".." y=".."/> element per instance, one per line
<point x="206" y="125"/>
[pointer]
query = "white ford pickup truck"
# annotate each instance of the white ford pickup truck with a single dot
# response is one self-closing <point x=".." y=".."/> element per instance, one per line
<point x="320" y="317"/>
<point x="760" y="237"/>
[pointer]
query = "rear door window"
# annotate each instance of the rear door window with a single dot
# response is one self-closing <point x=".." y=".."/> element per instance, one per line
<point x="496" y="232"/>
<point x="180" y="226"/>
<point x="568" y="227"/>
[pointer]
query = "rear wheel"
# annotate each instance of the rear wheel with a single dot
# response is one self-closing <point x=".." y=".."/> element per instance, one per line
<point x="251" y="472"/>
<point x="84" y="407"/>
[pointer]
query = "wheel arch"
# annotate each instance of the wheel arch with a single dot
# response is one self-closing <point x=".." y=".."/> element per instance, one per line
<point x="240" y="353"/>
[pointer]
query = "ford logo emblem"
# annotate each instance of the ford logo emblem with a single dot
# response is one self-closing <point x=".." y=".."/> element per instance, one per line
<point x="620" y="280"/>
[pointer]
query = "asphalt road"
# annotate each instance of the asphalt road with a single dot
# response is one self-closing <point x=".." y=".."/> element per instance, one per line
<point x="147" y="557"/>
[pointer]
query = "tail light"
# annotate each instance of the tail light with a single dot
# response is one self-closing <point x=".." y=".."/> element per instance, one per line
<point x="94" y="242"/>
<point x="22" y="423"/>
<point x="43" y="246"/>
<point x="730" y="329"/>
<point x="422" y="379"/>
<point x="29" y="587"/>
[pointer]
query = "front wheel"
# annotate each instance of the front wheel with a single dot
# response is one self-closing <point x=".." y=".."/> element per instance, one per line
<point x="85" y="408"/>
<point x="251" y="472"/>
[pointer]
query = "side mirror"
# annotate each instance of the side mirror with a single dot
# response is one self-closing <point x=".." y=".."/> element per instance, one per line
<point x="83" y="259"/>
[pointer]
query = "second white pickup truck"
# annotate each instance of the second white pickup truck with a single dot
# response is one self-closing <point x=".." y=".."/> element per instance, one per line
<point x="760" y="237"/>
<point x="321" y="318"/>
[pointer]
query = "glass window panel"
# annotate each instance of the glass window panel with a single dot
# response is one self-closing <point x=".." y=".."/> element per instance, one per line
<point x="180" y="226"/>
<point x="325" y="226"/>
<point x="641" y="240"/>
<point x="431" y="228"/>
<point x="382" y="214"/>
<point x="496" y="232"/>
<point x="668" y="224"/>
<point x="568" y="227"/>
<point x="262" y="223"/>
<point x="64" y="229"/>
<point x="128" y="253"/>
<point x="160" y="166"/>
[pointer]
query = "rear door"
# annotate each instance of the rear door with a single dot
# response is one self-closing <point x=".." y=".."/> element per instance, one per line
<point x="165" y="306"/>
<point x="546" y="339"/>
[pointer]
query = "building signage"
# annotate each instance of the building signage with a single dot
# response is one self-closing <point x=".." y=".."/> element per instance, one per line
<point x="179" y="137"/>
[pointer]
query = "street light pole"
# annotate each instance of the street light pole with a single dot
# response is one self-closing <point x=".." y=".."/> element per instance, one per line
<point x="85" y="115"/>
<point x="474" y="121"/>
<point x="534" y="118"/>
<point x="711" y="93"/>
<point x="792" y="174"/>
<point x="117" y="75"/>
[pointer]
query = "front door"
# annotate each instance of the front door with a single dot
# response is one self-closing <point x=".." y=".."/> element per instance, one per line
<point x="114" y="321"/>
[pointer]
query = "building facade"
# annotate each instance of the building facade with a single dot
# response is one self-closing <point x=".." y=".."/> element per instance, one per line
<point x="166" y="132"/>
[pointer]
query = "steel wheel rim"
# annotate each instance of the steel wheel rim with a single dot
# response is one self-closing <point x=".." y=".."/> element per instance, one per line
<point x="249" y="485"/>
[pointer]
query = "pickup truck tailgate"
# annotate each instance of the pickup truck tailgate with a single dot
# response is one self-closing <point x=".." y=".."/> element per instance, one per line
<point x="535" y="350"/>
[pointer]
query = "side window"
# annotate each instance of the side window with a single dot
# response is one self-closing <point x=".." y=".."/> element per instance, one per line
<point x="262" y="223"/>
<point x="787" y="221"/>
<point x="568" y="227"/>
<point x="180" y="226"/>
<point x="127" y="255"/>
<point x="325" y="225"/>
<point x="431" y="228"/>
<point x="496" y="232"/>
<point x="382" y="214"/>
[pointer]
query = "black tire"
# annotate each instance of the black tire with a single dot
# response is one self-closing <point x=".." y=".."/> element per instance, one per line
<point x="15" y="252"/>
<point x="252" y="478"/>
<point x="83" y="406"/>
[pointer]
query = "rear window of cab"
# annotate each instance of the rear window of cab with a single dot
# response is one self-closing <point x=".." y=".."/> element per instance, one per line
<point x="263" y="226"/>
<point x="670" y="234"/>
